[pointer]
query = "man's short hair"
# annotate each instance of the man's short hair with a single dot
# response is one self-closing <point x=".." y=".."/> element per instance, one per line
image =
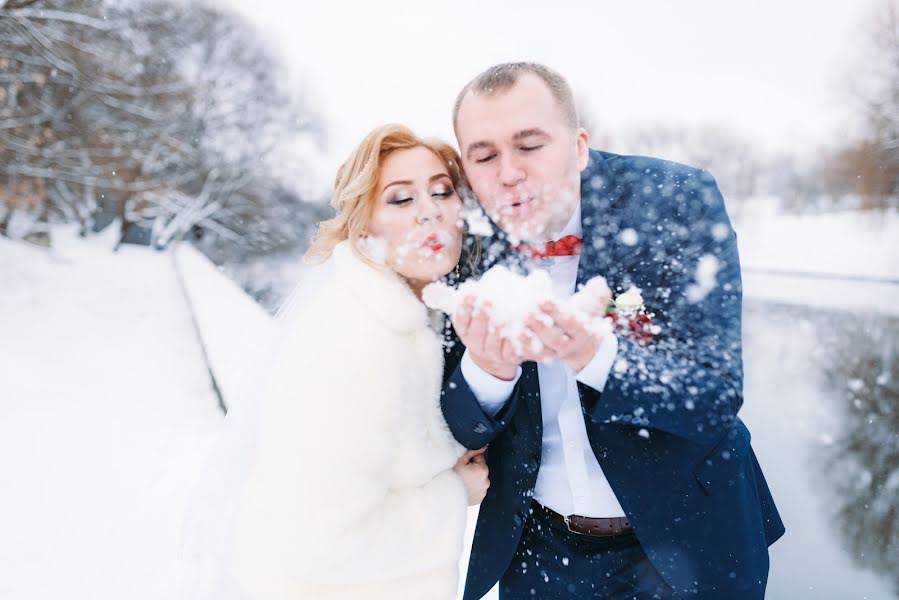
<point x="501" y="77"/>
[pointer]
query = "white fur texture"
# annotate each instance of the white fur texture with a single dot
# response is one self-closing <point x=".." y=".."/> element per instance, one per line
<point x="352" y="493"/>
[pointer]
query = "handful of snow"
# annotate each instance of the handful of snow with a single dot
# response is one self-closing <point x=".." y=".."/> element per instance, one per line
<point x="513" y="297"/>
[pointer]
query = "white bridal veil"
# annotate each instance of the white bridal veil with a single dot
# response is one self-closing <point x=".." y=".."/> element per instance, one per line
<point x="209" y="524"/>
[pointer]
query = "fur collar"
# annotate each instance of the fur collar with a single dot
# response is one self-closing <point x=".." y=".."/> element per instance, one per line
<point x="384" y="293"/>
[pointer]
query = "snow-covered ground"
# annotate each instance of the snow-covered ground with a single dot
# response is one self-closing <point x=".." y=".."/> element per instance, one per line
<point x="853" y="243"/>
<point x="845" y="258"/>
<point x="108" y="411"/>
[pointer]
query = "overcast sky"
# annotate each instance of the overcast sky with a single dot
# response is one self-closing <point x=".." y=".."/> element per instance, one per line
<point x="773" y="70"/>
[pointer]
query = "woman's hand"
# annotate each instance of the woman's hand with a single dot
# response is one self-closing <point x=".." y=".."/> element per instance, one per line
<point x="472" y="468"/>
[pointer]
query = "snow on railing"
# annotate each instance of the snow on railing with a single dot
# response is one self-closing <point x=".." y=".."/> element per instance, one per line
<point x="227" y="321"/>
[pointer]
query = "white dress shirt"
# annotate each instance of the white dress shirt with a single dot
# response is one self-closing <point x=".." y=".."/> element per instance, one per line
<point x="570" y="480"/>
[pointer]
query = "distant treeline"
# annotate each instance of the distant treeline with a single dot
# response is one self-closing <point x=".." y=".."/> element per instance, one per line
<point x="171" y="119"/>
<point x="855" y="171"/>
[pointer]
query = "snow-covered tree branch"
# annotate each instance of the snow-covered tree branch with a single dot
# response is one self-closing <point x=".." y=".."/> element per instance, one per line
<point x="160" y="112"/>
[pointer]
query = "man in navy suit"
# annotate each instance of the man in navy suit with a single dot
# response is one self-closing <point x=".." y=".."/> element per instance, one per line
<point x="618" y="466"/>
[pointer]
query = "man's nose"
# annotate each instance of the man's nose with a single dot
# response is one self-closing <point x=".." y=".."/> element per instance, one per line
<point x="510" y="171"/>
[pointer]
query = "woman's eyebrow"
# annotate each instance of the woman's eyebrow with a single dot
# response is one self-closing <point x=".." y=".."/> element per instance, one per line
<point x="399" y="182"/>
<point x="410" y="182"/>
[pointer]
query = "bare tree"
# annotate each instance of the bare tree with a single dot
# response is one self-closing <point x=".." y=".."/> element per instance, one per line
<point x="868" y="168"/>
<point x="161" y="112"/>
<point x="883" y="75"/>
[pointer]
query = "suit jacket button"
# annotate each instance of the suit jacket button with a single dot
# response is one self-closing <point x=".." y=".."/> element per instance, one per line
<point x="517" y="521"/>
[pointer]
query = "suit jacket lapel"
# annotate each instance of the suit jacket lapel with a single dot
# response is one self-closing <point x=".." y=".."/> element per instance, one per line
<point x="600" y="193"/>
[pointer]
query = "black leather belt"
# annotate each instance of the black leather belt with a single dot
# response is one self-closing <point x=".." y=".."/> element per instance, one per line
<point x="595" y="527"/>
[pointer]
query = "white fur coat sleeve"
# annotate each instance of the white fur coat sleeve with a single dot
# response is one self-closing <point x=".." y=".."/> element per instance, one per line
<point x="353" y="480"/>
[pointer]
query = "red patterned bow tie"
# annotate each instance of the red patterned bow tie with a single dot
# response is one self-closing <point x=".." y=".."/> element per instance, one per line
<point x="570" y="245"/>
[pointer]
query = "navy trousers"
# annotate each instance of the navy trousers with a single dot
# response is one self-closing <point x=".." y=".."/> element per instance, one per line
<point x="552" y="563"/>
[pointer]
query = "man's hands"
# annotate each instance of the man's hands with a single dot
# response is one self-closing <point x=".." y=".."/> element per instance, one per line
<point x="551" y="335"/>
<point x="559" y="336"/>
<point x="487" y="348"/>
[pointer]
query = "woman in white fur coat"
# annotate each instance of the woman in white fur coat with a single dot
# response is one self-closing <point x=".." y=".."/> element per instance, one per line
<point x="356" y="489"/>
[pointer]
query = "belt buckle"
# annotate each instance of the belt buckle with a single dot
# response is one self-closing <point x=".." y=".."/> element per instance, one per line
<point x="567" y="520"/>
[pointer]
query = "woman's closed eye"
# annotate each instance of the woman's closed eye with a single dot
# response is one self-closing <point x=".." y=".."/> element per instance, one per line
<point x="443" y="193"/>
<point x="399" y="201"/>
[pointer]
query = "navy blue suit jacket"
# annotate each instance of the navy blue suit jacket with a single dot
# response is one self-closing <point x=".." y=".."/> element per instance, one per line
<point x="665" y="428"/>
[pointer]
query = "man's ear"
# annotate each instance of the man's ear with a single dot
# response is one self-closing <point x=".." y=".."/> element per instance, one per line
<point x="583" y="148"/>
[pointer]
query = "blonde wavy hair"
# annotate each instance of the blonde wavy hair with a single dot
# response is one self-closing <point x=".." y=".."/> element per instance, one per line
<point x="357" y="181"/>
